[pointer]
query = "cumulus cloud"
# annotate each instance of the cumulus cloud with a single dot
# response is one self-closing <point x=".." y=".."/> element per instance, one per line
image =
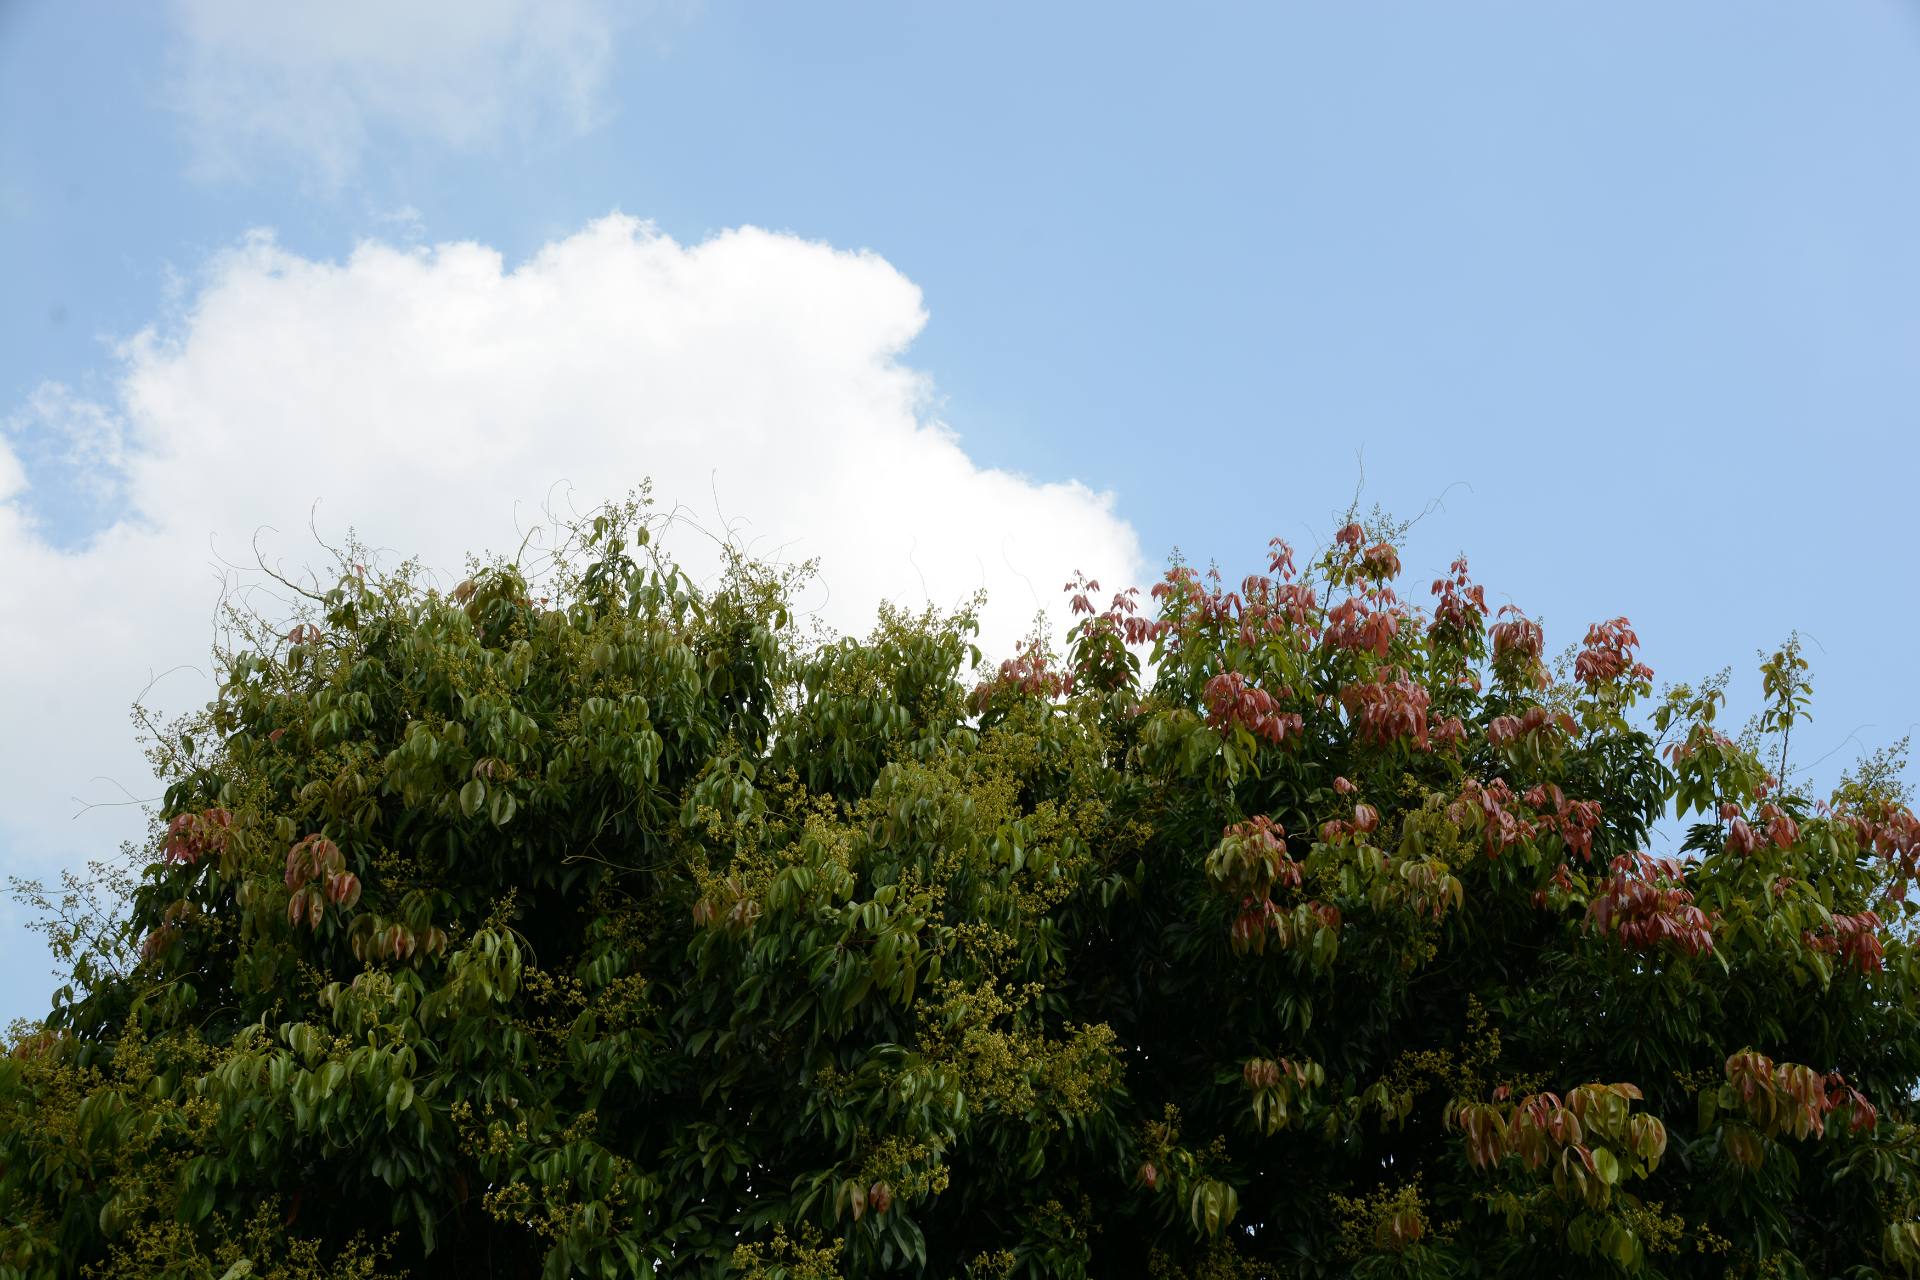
<point x="76" y="445"/>
<point x="311" y="81"/>
<point x="430" y="399"/>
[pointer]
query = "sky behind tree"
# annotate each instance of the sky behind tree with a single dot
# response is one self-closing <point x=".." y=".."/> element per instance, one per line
<point x="1622" y="297"/>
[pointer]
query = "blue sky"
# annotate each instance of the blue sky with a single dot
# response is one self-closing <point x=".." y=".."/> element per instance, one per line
<point x="1631" y="290"/>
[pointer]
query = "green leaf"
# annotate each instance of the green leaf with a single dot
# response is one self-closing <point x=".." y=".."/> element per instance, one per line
<point x="1607" y="1165"/>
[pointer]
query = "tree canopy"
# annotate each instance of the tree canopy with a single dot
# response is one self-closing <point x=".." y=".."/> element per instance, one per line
<point x="599" y="923"/>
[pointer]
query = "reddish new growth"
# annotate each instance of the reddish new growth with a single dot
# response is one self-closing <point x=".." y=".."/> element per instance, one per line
<point x="1540" y="1127"/>
<point x="1795" y="1099"/>
<point x="1508" y="729"/>
<point x="1562" y="884"/>
<point x="1388" y="710"/>
<point x="1461" y="606"/>
<point x="172" y="921"/>
<point x="1381" y="561"/>
<point x="1280" y="559"/>
<point x="1776" y="828"/>
<point x="1894" y="835"/>
<point x="1181" y="596"/>
<point x="1232" y="704"/>
<point x="1517" y="645"/>
<point x="1099" y="649"/>
<point x="1575" y="820"/>
<point x="1177" y="588"/>
<point x="1122" y="615"/>
<point x="1260" y="916"/>
<point x="192" y="836"/>
<point x="1609" y="654"/>
<point x="1366" y="820"/>
<point x="1252" y="856"/>
<point x="1265" y="1073"/>
<point x="1357" y="624"/>
<point x="1701" y="737"/>
<point x="1854" y="939"/>
<point x="1270" y="607"/>
<point x="1252" y="860"/>
<point x="1518" y="635"/>
<point x="1265" y="606"/>
<point x="1186" y="604"/>
<point x="728" y="906"/>
<point x="1262" y="607"/>
<point x="1485" y="805"/>
<point x="1030" y="672"/>
<point x="385" y="941"/>
<point x="1645" y="904"/>
<point x="318" y="876"/>
<point x="1250" y="924"/>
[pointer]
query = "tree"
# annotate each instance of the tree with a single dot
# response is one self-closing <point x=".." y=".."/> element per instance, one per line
<point x="605" y="924"/>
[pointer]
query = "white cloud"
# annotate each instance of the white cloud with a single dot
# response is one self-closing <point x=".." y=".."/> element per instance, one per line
<point x="77" y="435"/>
<point x="312" y="80"/>
<point x="428" y="398"/>
<point x="13" y="476"/>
